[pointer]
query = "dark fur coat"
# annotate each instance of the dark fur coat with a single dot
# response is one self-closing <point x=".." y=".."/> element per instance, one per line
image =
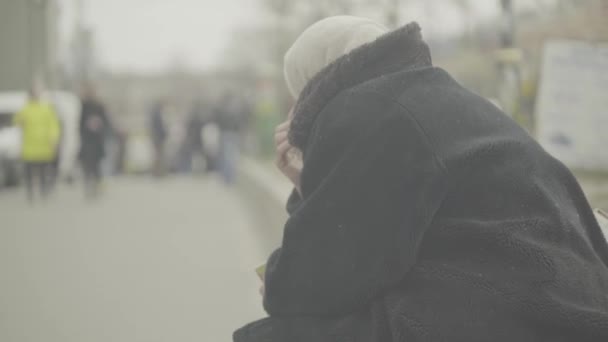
<point x="427" y="215"/>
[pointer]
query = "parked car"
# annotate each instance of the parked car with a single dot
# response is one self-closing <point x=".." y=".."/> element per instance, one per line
<point x="10" y="140"/>
<point x="10" y="167"/>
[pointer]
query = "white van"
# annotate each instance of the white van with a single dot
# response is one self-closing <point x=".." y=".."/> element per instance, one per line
<point x="67" y="106"/>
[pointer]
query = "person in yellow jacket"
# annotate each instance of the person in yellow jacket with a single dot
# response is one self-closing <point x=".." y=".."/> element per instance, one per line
<point x="40" y="131"/>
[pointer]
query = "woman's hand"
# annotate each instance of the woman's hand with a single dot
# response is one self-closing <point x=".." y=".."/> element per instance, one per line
<point x="286" y="155"/>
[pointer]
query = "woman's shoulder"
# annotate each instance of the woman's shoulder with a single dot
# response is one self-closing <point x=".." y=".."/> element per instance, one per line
<point x="354" y="113"/>
<point x="361" y="103"/>
<point x="393" y="84"/>
<point x="355" y="109"/>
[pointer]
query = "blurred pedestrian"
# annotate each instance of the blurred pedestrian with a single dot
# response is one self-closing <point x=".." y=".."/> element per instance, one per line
<point x="192" y="146"/>
<point x="229" y="116"/>
<point x="422" y="212"/>
<point x="94" y="129"/>
<point x="54" y="178"/>
<point x="211" y="143"/>
<point x="158" y="134"/>
<point x="121" y="137"/>
<point x="40" y="139"/>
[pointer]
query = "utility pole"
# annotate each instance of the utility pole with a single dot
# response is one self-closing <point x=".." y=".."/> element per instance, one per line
<point x="82" y="46"/>
<point x="508" y="69"/>
<point x="392" y="14"/>
<point x="507" y="34"/>
<point x="282" y="10"/>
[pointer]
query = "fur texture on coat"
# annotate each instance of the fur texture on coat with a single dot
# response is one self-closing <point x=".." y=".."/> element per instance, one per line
<point x="427" y="215"/>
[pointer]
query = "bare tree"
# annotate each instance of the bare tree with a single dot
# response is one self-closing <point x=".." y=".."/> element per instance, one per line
<point x="467" y="12"/>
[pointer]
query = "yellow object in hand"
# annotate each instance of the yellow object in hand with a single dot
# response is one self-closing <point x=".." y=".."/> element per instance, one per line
<point x="261" y="271"/>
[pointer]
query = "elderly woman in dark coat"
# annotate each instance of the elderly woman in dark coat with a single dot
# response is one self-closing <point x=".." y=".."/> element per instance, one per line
<point x="422" y="212"/>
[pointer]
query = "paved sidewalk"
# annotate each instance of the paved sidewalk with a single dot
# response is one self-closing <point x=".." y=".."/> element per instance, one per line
<point x="151" y="261"/>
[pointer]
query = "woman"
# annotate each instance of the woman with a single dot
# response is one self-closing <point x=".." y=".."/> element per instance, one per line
<point x="423" y="213"/>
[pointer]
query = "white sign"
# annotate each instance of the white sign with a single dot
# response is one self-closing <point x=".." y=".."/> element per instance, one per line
<point x="572" y="104"/>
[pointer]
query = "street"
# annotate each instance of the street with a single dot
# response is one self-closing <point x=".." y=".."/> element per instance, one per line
<point x="150" y="261"/>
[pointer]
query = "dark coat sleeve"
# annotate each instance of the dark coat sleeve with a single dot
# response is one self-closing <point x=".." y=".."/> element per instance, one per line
<point x="371" y="185"/>
<point x="108" y="125"/>
<point x="83" y="119"/>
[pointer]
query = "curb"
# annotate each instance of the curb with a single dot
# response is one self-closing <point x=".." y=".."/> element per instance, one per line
<point x="265" y="192"/>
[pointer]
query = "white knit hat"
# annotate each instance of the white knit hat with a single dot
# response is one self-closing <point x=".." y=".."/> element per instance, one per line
<point x="324" y="42"/>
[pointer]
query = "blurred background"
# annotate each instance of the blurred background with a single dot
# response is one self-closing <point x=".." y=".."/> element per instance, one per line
<point x="161" y="199"/>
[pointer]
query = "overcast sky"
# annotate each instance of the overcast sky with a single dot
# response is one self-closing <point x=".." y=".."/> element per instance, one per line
<point x="153" y="34"/>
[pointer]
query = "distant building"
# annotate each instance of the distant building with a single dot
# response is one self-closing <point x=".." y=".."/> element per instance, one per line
<point x="28" y="42"/>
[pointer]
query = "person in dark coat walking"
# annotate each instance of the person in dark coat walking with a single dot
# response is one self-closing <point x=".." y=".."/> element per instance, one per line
<point x="422" y="212"/>
<point x="94" y="129"/>
<point x="158" y="134"/>
<point x="230" y="117"/>
<point x="192" y="146"/>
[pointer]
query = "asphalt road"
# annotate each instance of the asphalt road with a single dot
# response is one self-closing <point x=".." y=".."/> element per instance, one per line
<point x="150" y="261"/>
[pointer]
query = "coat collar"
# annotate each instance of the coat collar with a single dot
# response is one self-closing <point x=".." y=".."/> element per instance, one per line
<point x="395" y="51"/>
